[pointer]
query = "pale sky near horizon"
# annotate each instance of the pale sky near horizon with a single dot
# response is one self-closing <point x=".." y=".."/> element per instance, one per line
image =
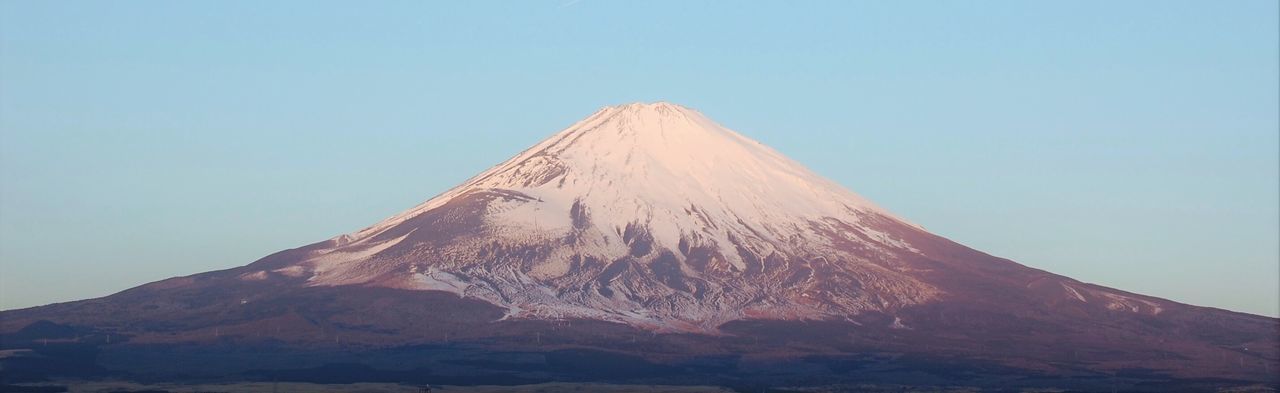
<point x="1132" y="144"/>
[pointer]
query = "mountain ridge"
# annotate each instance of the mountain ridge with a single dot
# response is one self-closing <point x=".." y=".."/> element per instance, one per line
<point x="649" y="231"/>
<point x="685" y="198"/>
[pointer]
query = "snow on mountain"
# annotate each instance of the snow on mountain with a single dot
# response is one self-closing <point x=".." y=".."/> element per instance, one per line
<point x="649" y="214"/>
<point x="653" y="216"/>
<point x="648" y="162"/>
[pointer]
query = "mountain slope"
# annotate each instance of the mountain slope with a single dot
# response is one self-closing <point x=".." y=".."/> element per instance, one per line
<point x="649" y="214"/>
<point x="653" y="218"/>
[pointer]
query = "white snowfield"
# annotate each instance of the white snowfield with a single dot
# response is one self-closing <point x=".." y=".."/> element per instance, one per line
<point x="647" y="214"/>
<point x="648" y="163"/>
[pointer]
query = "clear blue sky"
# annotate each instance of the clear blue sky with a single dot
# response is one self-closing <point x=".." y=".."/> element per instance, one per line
<point x="1132" y="144"/>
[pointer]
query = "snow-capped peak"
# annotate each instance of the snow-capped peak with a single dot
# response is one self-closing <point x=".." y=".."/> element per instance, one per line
<point x="637" y="204"/>
<point x="648" y="162"/>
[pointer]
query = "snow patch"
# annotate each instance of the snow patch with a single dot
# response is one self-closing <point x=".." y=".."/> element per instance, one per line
<point x="255" y="276"/>
<point x="1074" y="293"/>
<point x="897" y="324"/>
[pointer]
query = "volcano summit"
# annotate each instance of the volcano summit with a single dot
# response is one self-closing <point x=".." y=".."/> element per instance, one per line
<point x="646" y="214"/>
<point x="652" y="234"/>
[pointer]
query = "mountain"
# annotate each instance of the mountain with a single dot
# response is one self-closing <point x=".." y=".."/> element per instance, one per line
<point x="651" y="215"/>
<point x="649" y="237"/>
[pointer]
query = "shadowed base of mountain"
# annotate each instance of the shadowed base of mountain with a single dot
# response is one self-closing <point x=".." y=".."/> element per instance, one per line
<point x="364" y="387"/>
<point x="644" y="244"/>
<point x="349" y="335"/>
<point x="465" y="365"/>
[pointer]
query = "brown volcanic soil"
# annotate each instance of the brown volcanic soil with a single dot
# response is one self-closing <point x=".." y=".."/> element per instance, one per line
<point x="834" y="291"/>
<point x="213" y="327"/>
<point x="999" y="324"/>
<point x="268" y="387"/>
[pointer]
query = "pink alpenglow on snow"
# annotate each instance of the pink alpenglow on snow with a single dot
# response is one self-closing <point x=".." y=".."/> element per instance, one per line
<point x="655" y="216"/>
<point x="650" y="232"/>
